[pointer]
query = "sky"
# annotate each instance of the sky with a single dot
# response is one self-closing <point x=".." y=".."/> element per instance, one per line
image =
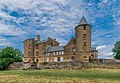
<point x="24" y="19"/>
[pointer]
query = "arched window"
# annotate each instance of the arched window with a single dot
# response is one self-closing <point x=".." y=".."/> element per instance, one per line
<point x="37" y="60"/>
<point x="73" y="58"/>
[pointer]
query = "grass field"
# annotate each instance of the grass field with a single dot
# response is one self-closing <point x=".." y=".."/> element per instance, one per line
<point x="61" y="76"/>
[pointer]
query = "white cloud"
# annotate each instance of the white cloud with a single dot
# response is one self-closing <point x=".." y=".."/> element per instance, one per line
<point x="16" y="3"/>
<point x="4" y="15"/>
<point x="109" y="54"/>
<point x="10" y="30"/>
<point x="101" y="47"/>
<point x="5" y="42"/>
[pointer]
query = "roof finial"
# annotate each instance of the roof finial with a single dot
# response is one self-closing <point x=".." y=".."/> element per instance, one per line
<point x="82" y="14"/>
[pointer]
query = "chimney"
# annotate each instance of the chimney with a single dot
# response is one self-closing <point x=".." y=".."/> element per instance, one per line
<point x="38" y="37"/>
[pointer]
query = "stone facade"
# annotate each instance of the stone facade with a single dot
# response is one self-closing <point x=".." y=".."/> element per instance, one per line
<point x="77" y="49"/>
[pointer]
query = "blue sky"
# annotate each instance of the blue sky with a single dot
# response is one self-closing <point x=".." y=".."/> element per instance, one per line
<point x="23" y="19"/>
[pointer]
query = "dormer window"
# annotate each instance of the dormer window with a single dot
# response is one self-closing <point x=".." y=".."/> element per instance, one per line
<point x="61" y="52"/>
<point x="47" y="54"/>
<point x="55" y="53"/>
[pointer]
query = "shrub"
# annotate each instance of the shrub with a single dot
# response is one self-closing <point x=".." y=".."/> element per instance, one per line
<point x="5" y="62"/>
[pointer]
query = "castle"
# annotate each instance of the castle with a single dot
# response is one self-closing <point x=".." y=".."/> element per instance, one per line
<point x="77" y="49"/>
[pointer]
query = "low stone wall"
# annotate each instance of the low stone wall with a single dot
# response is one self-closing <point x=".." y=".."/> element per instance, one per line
<point x="19" y="66"/>
<point x="77" y="65"/>
<point x="63" y="65"/>
<point x="101" y="65"/>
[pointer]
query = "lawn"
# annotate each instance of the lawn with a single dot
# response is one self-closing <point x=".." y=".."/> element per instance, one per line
<point x="61" y="76"/>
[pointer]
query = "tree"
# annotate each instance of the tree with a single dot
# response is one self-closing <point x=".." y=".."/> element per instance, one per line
<point x="9" y="55"/>
<point x="116" y="50"/>
<point x="5" y="62"/>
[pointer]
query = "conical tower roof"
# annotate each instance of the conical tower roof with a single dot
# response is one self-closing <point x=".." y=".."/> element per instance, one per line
<point x="83" y="21"/>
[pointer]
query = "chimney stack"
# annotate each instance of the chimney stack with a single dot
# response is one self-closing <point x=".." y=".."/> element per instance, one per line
<point x="38" y="37"/>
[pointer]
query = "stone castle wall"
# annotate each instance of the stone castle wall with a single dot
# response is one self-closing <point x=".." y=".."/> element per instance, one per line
<point x="114" y="64"/>
<point x="77" y="65"/>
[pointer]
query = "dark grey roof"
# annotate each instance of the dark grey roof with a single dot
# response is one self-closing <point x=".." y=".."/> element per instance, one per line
<point x="83" y="21"/>
<point x="93" y="49"/>
<point x="41" y="41"/>
<point x="55" y="48"/>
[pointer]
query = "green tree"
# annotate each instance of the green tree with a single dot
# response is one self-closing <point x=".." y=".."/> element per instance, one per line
<point x="116" y="50"/>
<point x="9" y="55"/>
<point x="5" y="62"/>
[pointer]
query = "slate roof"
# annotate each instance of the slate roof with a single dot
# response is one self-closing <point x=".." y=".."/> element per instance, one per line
<point x="41" y="41"/>
<point x="55" y="48"/>
<point x="93" y="49"/>
<point x="83" y="21"/>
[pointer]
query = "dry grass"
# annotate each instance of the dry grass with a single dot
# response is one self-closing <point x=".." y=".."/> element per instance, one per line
<point x="61" y="76"/>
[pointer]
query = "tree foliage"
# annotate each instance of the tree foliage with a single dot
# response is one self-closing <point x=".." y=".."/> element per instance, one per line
<point x="116" y="50"/>
<point x="9" y="55"/>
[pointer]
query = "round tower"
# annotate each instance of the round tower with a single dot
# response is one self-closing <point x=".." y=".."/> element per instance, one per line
<point x="83" y="40"/>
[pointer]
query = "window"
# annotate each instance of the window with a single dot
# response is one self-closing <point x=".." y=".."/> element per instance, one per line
<point x="47" y="54"/>
<point x="29" y="46"/>
<point x="37" y="60"/>
<point x="37" y="46"/>
<point x="84" y="27"/>
<point x="61" y="52"/>
<point x="61" y="59"/>
<point x="55" y="53"/>
<point x="55" y="59"/>
<point x="84" y="46"/>
<point x="73" y="58"/>
<point x="84" y="36"/>
<point x="85" y="57"/>
<point x="47" y="60"/>
<point x="74" y="50"/>
<point x="37" y="53"/>
<point x="29" y="53"/>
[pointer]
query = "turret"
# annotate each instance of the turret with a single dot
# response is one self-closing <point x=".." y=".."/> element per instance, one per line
<point x="83" y="40"/>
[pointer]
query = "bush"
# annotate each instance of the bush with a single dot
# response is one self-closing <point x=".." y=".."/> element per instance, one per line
<point x="5" y="62"/>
